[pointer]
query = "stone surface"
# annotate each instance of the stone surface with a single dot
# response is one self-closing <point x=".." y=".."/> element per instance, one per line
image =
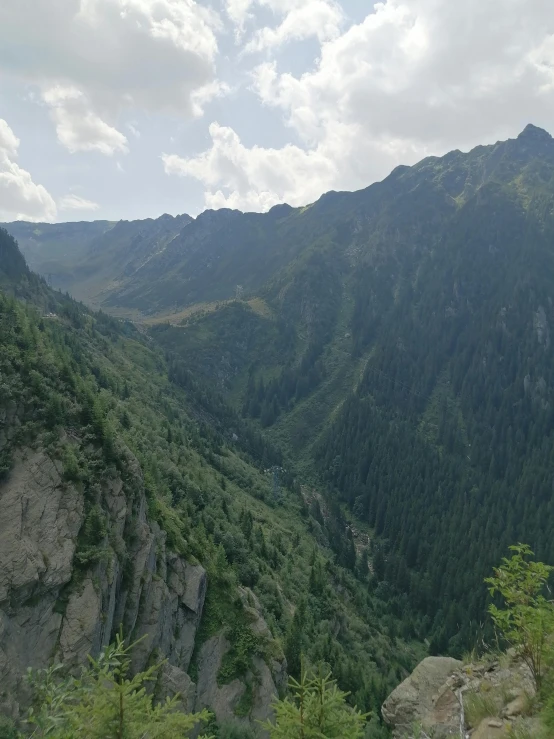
<point x="39" y="522"/>
<point x="516" y="707"/>
<point x="223" y="699"/>
<point x="44" y="613"/>
<point x="262" y="679"/>
<point x="437" y="692"/>
<point x="174" y="681"/>
<point x="424" y="698"/>
<point x="40" y="518"/>
<point x="491" y="729"/>
<point x="81" y="625"/>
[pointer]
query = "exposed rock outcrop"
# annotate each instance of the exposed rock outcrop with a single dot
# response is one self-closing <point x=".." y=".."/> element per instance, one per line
<point x="51" y="609"/>
<point x="444" y="698"/>
<point x="424" y="699"/>
<point x="245" y="701"/>
<point x="56" y="605"/>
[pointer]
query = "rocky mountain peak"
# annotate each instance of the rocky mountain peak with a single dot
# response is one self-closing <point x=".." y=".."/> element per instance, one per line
<point x="534" y="133"/>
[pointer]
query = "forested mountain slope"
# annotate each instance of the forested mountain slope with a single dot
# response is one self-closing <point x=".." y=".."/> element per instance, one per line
<point x="131" y="493"/>
<point x="397" y="343"/>
<point x="406" y="361"/>
<point x="91" y="259"/>
<point x="169" y="263"/>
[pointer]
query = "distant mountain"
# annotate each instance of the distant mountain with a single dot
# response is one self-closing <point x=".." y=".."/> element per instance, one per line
<point x="402" y="350"/>
<point x="397" y="342"/>
<point x="91" y="259"/>
<point x="166" y="264"/>
<point x="51" y="248"/>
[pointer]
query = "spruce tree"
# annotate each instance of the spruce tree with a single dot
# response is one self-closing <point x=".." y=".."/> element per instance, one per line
<point x="105" y="702"/>
<point x="316" y="709"/>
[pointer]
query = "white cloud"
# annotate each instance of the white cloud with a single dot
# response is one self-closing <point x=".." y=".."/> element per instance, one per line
<point x="133" y="129"/>
<point x="20" y="197"/>
<point x="76" y="202"/>
<point x="256" y="178"/>
<point x="9" y="143"/>
<point x="321" y="19"/>
<point x="78" y="127"/>
<point x="203" y="95"/>
<point x="312" y="18"/>
<point x="114" y="54"/>
<point x="239" y="12"/>
<point x="429" y="71"/>
<point x="414" y="77"/>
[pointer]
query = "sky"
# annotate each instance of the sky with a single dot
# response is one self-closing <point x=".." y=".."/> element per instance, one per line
<point x="129" y="109"/>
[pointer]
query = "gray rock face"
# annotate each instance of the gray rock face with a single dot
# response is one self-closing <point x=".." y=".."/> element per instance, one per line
<point x="39" y="522"/>
<point x="258" y="688"/>
<point x="223" y="699"/>
<point x="438" y="692"/>
<point x="424" y="697"/>
<point x="45" y="613"/>
<point x="176" y="682"/>
<point x="48" y="613"/>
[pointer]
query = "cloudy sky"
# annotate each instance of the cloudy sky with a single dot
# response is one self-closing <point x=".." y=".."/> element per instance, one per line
<point x="132" y="108"/>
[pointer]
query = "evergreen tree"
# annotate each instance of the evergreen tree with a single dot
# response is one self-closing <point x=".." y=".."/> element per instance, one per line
<point x="105" y="702"/>
<point x="294" y="641"/>
<point x="317" y="709"/>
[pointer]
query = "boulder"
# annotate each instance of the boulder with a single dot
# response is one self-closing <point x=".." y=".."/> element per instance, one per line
<point x="490" y="728"/>
<point x="425" y="698"/>
<point x="174" y="681"/>
<point x="517" y="706"/>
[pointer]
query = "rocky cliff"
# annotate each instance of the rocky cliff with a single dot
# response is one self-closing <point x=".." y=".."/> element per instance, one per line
<point x="444" y="697"/>
<point x="61" y="599"/>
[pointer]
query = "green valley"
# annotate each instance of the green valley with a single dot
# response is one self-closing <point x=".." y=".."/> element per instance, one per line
<point x="314" y="430"/>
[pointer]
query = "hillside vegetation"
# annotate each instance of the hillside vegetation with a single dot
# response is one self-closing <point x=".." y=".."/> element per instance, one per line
<point x="406" y="363"/>
<point x="396" y="344"/>
<point x="146" y="454"/>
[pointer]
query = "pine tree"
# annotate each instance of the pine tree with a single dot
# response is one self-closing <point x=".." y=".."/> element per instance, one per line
<point x="317" y="709"/>
<point x="105" y="703"/>
<point x="294" y="640"/>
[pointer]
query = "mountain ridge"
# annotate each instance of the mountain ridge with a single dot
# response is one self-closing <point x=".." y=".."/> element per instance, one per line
<point x="405" y="354"/>
<point x="169" y="269"/>
<point x="388" y="352"/>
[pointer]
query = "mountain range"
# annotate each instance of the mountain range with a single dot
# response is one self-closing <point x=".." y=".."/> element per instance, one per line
<point x="368" y="381"/>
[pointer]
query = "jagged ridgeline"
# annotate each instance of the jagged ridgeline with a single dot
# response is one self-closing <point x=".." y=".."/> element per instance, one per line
<point x="402" y="352"/>
<point x="395" y="343"/>
<point x="132" y="494"/>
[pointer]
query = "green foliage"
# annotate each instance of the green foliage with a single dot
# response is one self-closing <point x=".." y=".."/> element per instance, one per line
<point x="527" y="619"/>
<point x="245" y="644"/>
<point x="246" y="701"/>
<point x="8" y="729"/>
<point x="229" y="730"/>
<point x="104" y="702"/>
<point x="116" y="413"/>
<point x="294" y="641"/>
<point x="478" y="706"/>
<point x="317" y="709"/>
<point x="548" y="714"/>
<point x="404" y="363"/>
